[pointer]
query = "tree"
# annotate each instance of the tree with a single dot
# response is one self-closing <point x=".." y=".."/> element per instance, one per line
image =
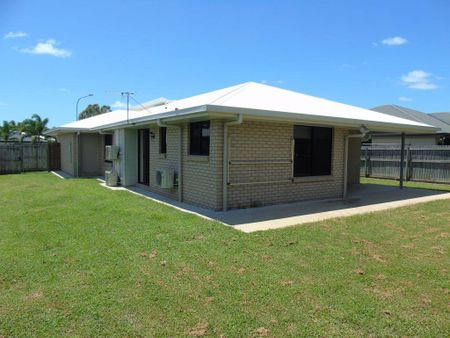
<point x="93" y="110"/>
<point x="5" y="129"/>
<point x="34" y="127"/>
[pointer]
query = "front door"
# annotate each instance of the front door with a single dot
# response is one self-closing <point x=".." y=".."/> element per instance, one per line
<point x="144" y="156"/>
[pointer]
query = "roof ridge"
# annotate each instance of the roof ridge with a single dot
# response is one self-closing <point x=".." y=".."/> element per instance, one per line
<point x="234" y="91"/>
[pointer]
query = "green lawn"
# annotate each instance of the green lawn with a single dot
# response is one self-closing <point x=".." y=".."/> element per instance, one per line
<point x="407" y="184"/>
<point x="77" y="259"/>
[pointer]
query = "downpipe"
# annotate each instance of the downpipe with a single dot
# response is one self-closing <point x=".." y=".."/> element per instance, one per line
<point x="225" y="168"/>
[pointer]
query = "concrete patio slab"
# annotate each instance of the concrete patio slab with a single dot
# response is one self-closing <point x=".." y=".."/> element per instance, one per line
<point x="362" y="199"/>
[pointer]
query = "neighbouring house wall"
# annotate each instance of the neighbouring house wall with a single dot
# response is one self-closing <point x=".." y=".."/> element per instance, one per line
<point x="269" y="141"/>
<point x="68" y="153"/>
<point x="415" y="140"/>
<point x="354" y="160"/>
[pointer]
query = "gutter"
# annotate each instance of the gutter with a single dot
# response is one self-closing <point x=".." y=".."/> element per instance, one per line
<point x="363" y="133"/>
<point x="180" y="157"/>
<point x="225" y="169"/>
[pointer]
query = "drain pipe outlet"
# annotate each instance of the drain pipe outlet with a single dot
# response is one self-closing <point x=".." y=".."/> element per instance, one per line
<point x="225" y="168"/>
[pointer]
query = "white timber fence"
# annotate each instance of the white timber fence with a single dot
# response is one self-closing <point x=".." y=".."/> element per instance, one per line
<point x="422" y="163"/>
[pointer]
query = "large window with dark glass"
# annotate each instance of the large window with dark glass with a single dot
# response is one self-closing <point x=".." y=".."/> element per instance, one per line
<point x="312" y="151"/>
<point x="163" y="140"/>
<point x="199" y="138"/>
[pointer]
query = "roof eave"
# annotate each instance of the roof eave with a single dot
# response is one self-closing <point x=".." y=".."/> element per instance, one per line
<point x="178" y="113"/>
<point x="63" y="130"/>
<point x="326" y="120"/>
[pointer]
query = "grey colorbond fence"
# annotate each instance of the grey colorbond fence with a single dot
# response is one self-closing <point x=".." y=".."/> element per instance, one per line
<point x="422" y="163"/>
<point x="21" y="157"/>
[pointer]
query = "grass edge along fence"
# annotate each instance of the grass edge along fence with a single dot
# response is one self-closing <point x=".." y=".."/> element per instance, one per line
<point x="430" y="163"/>
<point x="22" y="157"/>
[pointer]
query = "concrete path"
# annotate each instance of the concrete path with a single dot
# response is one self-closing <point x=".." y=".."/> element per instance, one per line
<point x="283" y="222"/>
<point x="363" y="199"/>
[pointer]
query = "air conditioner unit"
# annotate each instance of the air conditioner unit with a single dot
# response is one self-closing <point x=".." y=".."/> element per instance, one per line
<point x="111" y="178"/>
<point x="111" y="153"/>
<point x="165" y="178"/>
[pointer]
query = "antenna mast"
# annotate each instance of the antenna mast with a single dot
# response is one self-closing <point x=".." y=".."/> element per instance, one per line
<point x="128" y="103"/>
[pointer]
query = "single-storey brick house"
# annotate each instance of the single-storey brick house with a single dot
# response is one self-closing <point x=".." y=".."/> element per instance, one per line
<point x="241" y="146"/>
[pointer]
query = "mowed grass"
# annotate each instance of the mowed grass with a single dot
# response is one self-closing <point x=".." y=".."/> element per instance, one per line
<point x="406" y="184"/>
<point x="77" y="259"/>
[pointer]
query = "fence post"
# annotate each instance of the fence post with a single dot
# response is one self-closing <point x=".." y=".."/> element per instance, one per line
<point x="402" y="159"/>
<point x="408" y="163"/>
<point x="366" y="161"/>
<point x="21" y="157"/>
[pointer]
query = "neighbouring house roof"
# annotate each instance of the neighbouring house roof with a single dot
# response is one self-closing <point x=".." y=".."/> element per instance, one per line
<point x="254" y="101"/>
<point x="153" y="103"/>
<point x="411" y="114"/>
<point x="444" y="117"/>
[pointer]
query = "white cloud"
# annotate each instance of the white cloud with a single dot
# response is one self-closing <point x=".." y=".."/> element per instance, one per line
<point x="419" y="79"/>
<point x="13" y="35"/>
<point x="48" y="47"/>
<point x="272" y="81"/>
<point x="118" y="104"/>
<point x="405" y="99"/>
<point x="394" y="41"/>
<point x="63" y="90"/>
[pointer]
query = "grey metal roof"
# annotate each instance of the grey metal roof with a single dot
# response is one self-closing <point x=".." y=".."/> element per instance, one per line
<point x="444" y="117"/>
<point x="414" y="115"/>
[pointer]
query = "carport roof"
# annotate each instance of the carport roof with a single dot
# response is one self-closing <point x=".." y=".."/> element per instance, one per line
<point x="254" y="101"/>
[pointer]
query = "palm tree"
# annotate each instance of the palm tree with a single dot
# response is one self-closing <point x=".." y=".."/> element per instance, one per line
<point x="39" y="125"/>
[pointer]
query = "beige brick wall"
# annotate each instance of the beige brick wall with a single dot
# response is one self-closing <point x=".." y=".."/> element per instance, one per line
<point x="251" y="141"/>
<point x="262" y="141"/>
<point x="68" y="152"/>
<point x="202" y="175"/>
<point x="164" y="161"/>
<point x="92" y="161"/>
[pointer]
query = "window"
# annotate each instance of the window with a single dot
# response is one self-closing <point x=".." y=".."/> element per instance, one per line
<point x="163" y="140"/>
<point x="199" y="138"/>
<point x="108" y="141"/>
<point x="312" y="151"/>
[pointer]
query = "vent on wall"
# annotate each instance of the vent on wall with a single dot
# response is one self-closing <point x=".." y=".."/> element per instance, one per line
<point x="165" y="178"/>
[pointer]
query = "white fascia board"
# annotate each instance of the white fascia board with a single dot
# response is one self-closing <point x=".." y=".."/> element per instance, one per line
<point x="63" y="130"/>
<point x="321" y="120"/>
<point x="152" y="118"/>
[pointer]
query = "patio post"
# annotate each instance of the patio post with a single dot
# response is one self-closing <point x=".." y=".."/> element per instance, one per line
<point x="402" y="159"/>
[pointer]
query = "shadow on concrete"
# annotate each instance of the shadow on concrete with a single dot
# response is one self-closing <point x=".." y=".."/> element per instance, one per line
<point x="359" y="197"/>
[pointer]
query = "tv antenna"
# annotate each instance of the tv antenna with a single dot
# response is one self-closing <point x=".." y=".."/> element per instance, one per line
<point x="128" y="103"/>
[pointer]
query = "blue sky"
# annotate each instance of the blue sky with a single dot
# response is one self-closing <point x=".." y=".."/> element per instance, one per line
<point x="364" y="53"/>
